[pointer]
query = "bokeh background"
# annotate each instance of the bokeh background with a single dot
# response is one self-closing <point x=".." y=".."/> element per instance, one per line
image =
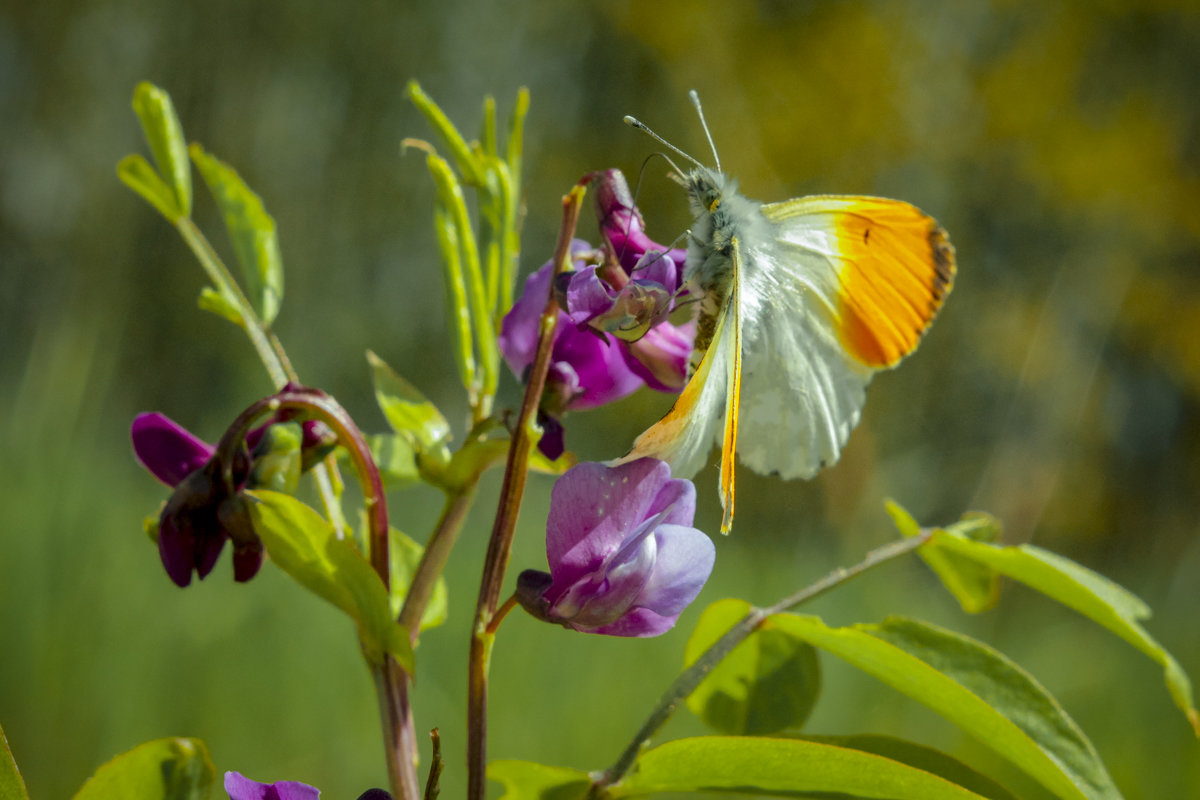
<point x="1058" y="142"/>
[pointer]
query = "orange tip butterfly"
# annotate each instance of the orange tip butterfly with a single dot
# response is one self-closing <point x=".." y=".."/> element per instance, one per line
<point x="801" y="303"/>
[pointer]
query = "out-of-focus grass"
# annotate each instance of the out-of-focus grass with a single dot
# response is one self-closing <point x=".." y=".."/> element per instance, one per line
<point x="1058" y="390"/>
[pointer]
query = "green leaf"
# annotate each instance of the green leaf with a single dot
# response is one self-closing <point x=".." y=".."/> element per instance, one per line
<point x="213" y="301"/>
<point x="510" y="181"/>
<point x="393" y="455"/>
<point x="408" y="412"/>
<point x="525" y="780"/>
<point x="164" y="134"/>
<point x="975" y="586"/>
<point x="976" y="688"/>
<point x="405" y="554"/>
<point x="921" y="757"/>
<point x="768" y="683"/>
<point x="780" y="768"/>
<point x="464" y="157"/>
<point x="480" y="455"/>
<point x="306" y="547"/>
<point x="251" y="230"/>
<point x="136" y="173"/>
<point x="457" y="310"/>
<point x="450" y="196"/>
<point x="170" y="769"/>
<point x="1077" y="587"/>
<point x="539" y="462"/>
<point x="12" y="787"/>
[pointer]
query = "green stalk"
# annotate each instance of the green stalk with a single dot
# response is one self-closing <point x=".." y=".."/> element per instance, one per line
<point x="691" y="677"/>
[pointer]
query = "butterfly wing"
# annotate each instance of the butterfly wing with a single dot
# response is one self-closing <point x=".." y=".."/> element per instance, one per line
<point x="842" y="288"/>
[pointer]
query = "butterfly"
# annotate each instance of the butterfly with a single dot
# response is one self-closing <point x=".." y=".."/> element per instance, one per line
<point x="801" y="303"/>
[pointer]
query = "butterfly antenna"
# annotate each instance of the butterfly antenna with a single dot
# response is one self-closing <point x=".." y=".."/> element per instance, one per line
<point x="641" y="126"/>
<point x="695" y="98"/>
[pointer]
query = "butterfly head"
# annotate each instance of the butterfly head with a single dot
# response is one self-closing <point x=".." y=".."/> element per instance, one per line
<point x="706" y="189"/>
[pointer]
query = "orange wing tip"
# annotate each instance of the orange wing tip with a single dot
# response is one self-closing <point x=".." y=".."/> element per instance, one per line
<point x="897" y="276"/>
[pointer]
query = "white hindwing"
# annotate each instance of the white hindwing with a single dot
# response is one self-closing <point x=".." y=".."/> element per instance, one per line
<point x="801" y="393"/>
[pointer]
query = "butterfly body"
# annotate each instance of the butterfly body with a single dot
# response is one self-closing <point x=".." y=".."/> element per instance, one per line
<point x="801" y="302"/>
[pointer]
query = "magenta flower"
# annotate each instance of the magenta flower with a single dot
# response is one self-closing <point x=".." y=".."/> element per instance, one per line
<point x="239" y="787"/>
<point x="622" y="225"/>
<point x="624" y="557"/>
<point x="586" y="370"/>
<point x="613" y="335"/>
<point x="201" y="514"/>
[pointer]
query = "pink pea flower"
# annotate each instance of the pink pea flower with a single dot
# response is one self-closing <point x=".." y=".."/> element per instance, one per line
<point x="624" y="558"/>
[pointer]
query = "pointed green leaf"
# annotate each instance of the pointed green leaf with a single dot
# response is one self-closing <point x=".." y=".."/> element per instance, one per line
<point x="251" y="230"/>
<point x="306" y="547"/>
<point x="768" y="683"/>
<point x="450" y="196"/>
<point x="405" y="554"/>
<point x="164" y="769"/>
<point x="12" y="787"/>
<point x="525" y="780"/>
<point x="213" y="301"/>
<point x="976" y="688"/>
<point x="457" y="310"/>
<point x="1075" y="586"/>
<point x="974" y="585"/>
<point x="780" y="768"/>
<point x="136" y="173"/>
<point x="164" y="134"/>
<point x="407" y="410"/>
<point x="487" y="136"/>
<point x="921" y="757"/>
<point x="511" y="185"/>
<point x="464" y="157"/>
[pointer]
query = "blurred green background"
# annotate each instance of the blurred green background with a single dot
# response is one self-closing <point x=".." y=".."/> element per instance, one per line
<point x="1058" y="142"/>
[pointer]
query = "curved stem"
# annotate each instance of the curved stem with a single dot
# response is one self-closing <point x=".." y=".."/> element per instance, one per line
<point x="511" y="492"/>
<point x="391" y="682"/>
<point x="691" y="677"/>
<point x="318" y="404"/>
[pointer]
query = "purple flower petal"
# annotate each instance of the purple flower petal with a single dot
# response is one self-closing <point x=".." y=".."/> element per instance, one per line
<point x="593" y="508"/>
<point x="602" y="373"/>
<point x="208" y="550"/>
<point x="638" y="622"/>
<point x="660" y="358"/>
<point x="685" y="560"/>
<point x="624" y="557"/>
<point x="176" y="548"/>
<point x="239" y="787"/>
<point x="587" y="369"/>
<point x="588" y="296"/>
<point x="247" y="559"/>
<point x="519" y="329"/>
<point x="553" y="441"/>
<point x="167" y="449"/>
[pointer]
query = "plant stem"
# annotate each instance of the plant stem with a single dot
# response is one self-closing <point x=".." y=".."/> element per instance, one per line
<point x="511" y="492"/>
<point x="269" y="348"/>
<point x="691" y="677"/>
<point x="433" y="560"/>
<point x="391" y="682"/>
